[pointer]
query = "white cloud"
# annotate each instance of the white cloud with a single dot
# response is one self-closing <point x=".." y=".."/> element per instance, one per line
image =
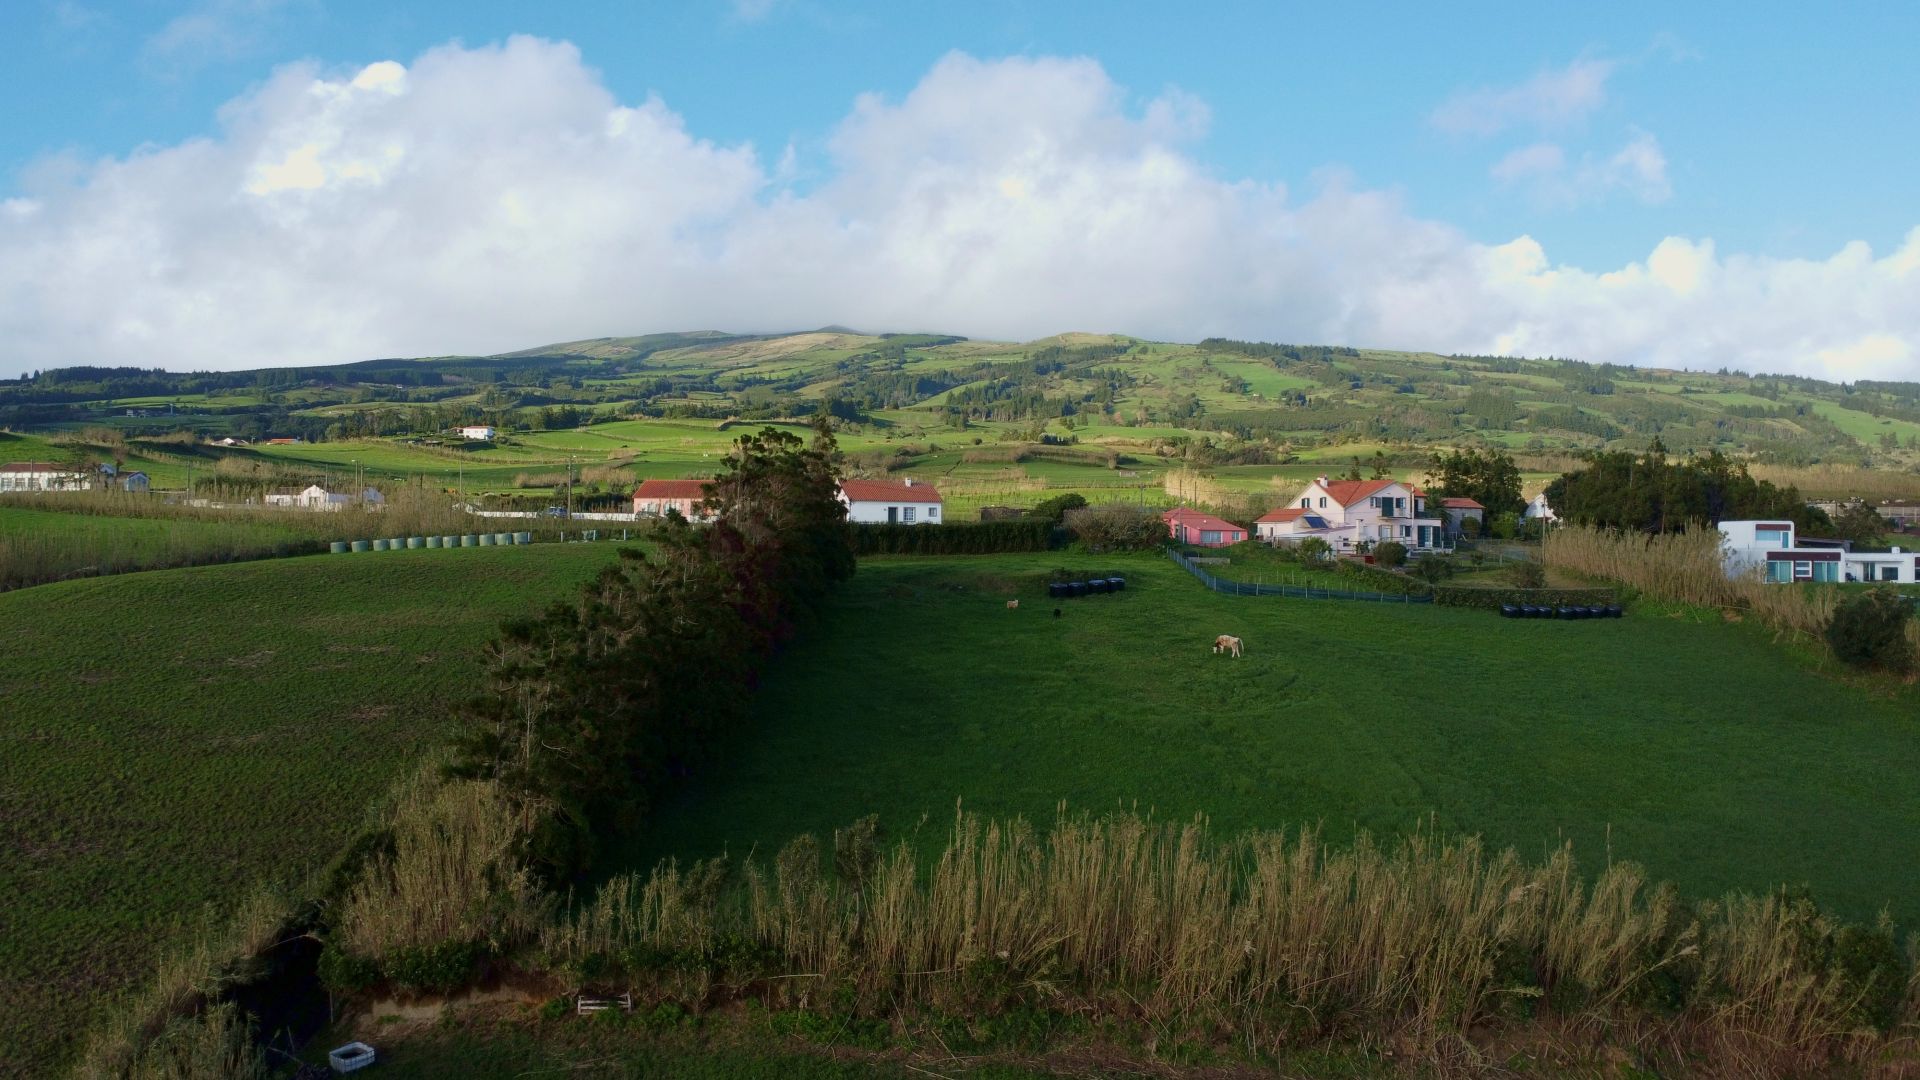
<point x="753" y="11"/>
<point x="1540" y="159"/>
<point x="208" y="31"/>
<point x="479" y="200"/>
<point x="1638" y="168"/>
<point x="1551" y="99"/>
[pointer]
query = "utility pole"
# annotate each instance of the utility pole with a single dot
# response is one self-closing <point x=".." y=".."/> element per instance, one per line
<point x="569" y="487"/>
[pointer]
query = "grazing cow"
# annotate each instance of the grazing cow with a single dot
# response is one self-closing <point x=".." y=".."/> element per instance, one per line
<point x="1013" y="605"/>
<point x="1227" y="643"/>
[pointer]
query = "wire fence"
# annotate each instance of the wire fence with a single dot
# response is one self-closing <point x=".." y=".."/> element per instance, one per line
<point x="1301" y="592"/>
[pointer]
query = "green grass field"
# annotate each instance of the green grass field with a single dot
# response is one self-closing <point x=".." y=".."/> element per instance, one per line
<point x="40" y="545"/>
<point x="1704" y="750"/>
<point x="170" y="738"/>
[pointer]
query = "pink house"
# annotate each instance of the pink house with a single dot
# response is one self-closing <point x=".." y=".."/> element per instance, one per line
<point x="1346" y="512"/>
<point x="653" y="498"/>
<point x="1202" y="530"/>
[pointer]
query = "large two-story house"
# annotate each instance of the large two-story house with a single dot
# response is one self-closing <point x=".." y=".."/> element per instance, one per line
<point x="1346" y="512"/>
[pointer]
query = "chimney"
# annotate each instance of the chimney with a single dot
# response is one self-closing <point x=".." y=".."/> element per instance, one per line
<point x="909" y="481"/>
<point x="1321" y="480"/>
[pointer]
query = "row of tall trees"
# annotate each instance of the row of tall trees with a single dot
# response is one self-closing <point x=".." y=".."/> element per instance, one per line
<point x="593" y="705"/>
<point x="1649" y="493"/>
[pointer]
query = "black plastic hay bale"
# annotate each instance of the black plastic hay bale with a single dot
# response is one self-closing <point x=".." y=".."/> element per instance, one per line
<point x="1119" y="583"/>
<point x="1508" y="611"/>
<point x="1076" y="588"/>
<point x="1056" y="590"/>
<point x="1615" y="611"/>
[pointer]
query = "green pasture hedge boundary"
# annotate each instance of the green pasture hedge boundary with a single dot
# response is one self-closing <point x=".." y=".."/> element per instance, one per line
<point x="958" y="538"/>
<point x="1463" y="596"/>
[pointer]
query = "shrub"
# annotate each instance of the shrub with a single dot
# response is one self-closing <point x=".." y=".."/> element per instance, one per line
<point x="1374" y="579"/>
<point x="1432" y="569"/>
<point x="1527" y="575"/>
<point x="1869" y="630"/>
<point x="1054" y="510"/>
<point x="1390" y="553"/>
<point x="1117" y="527"/>
<point x="1314" y="549"/>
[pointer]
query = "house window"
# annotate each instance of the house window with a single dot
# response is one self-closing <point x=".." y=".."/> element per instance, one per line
<point x="1323" y="502"/>
<point x="1802" y="571"/>
<point x="1406" y="531"/>
<point x="1889" y="572"/>
<point x="1774" y="537"/>
<point x="1779" y="570"/>
<point x="1210" y="536"/>
<point x="906" y="514"/>
<point x="1307" y="504"/>
<point x="1826" y="571"/>
<point x="933" y="513"/>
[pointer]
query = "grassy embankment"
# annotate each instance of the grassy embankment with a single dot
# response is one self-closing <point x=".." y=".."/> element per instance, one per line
<point x="54" y="537"/>
<point x="169" y="739"/>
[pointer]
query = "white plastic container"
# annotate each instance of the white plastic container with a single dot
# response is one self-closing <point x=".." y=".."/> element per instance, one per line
<point x="351" y="1057"/>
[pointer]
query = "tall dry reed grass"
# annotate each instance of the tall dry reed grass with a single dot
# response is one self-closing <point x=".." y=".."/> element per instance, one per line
<point x="1842" y="481"/>
<point x="1689" y="568"/>
<point x="453" y="874"/>
<point x="1274" y="938"/>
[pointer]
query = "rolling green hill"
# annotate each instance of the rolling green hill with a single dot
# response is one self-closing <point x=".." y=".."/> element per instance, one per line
<point x="996" y="421"/>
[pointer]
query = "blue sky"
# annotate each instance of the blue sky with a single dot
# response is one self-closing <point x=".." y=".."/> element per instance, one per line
<point x="1777" y="132"/>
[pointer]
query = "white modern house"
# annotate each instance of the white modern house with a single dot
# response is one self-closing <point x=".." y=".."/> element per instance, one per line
<point x="1778" y="554"/>
<point x="1346" y="512"/>
<point x="478" y="432"/>
<point x="1538" y="510"/>
<point x="885" y="502"/>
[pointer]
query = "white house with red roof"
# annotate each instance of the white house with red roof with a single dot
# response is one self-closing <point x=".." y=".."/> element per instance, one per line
<point x="888" y="502"/>
<point x="1201" y="530"/>
<point x="653" y="498"/>
<point x="1346" y="512"/>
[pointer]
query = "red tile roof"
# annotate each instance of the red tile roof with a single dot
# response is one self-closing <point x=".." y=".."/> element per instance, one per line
<point x="887" y="491"/>
<point x="1461" y="504"/>
<point x="1285" y="513"/>
<point x="670" y="489"/>
<point x="1349" y="492"/>
<point x="1194" y="519"/>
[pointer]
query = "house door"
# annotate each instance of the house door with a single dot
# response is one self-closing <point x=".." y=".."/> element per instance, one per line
<point x="893" y="515"/>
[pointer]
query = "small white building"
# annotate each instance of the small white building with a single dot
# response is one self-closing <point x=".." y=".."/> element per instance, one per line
<point x="46" y="476"/>
<point x="653" y="498"/>
<point x="478" y="432"/>
<point x="135" y="481"/>
<point x="884" y="502"/>
<point x="316" y="497"/>
<point x="1538" y="510"/>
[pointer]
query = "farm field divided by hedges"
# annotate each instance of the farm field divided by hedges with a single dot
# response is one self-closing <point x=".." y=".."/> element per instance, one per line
<point x="1703" y="750"/>
<point x="169" y="738"/>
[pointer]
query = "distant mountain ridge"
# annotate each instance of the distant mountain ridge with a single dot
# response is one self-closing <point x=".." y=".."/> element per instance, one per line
<point x="1235" y="390"/>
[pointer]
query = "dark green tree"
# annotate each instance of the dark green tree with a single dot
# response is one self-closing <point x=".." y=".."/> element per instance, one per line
<point x="1490" y="478"/>
<point x="1859" y="523"/>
